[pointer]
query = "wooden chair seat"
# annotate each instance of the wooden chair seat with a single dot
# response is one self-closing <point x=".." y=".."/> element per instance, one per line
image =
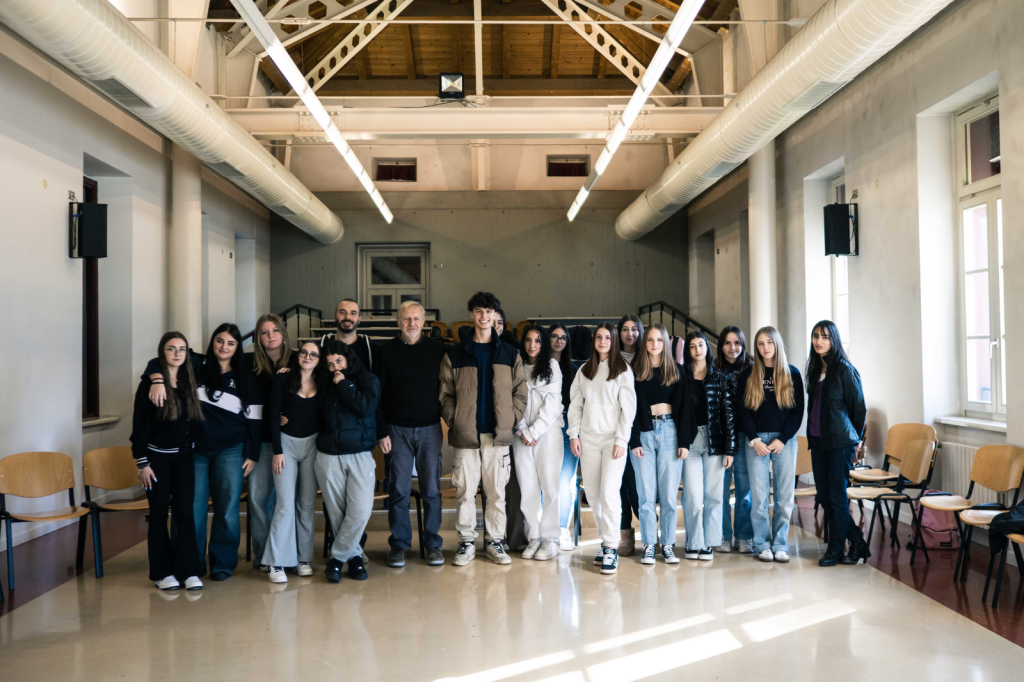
<point x="873" y="475"/>
<point x="62" y="514"/>
<point x="1016" y="537"/>
<point x="953" y="503"/>
<point x="979" y="517"/>
<point x="129" y="505"/>
<point x="805" y="492"/>
<point x="866" y="492"/>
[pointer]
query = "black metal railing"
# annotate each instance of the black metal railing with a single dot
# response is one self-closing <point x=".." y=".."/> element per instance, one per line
<point x="297" y="311"/>
<point x="677" y="316"/>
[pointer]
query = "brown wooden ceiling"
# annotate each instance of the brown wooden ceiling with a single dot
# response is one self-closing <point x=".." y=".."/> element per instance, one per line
<point x="517" y="59"/>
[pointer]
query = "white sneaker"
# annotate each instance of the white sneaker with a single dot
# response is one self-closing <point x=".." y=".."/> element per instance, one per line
<point x="168" y="583"/>
<point x="746" y="546"/>
<point x="277" y="575"/>
<point x="304" y="569"/>
<point x="531" y="549"/>
<point x="782" y="557"/>
<point x="193" y="583"/>
<point x="464" y="554"/>
<point x="565" y="542"/>
<point x="548" y="550"/>
<point x="647" y="558"/>
<point x="496" y="552"/>
<point x="725" y="547"/>
<point x="766" y="556"/>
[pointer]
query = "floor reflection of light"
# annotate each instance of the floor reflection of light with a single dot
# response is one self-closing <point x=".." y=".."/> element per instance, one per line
<point x="646" y="634"/>
<point x="774" y="626"/>
<point x="574" y="676"/>
<point x="664" y="658"/>
<point x="512" y="669"/>
<point x="750" y="606"/>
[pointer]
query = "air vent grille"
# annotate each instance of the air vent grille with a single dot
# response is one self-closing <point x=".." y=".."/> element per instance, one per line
<point x="812" y="96"/>
<point x="720" y="170"/>
<point x="227" y="170"/>
<point x="121" y="93"/>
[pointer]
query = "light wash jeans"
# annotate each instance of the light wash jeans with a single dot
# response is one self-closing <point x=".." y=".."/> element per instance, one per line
<point x="566" y="479"/>
<point x="702" y="494"/>
<point x="657" y="478"/>
<point x="737" y="472"/>
<point x="783" y="470"/>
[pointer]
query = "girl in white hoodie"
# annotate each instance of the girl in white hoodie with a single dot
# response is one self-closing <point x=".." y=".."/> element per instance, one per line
<point x="601" y="412"/>
<point x="538" y="452"/>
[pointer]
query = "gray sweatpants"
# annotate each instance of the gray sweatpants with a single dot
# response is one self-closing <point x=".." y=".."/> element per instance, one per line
<point x="347" y="484"/>
<point x="291" y="531"/>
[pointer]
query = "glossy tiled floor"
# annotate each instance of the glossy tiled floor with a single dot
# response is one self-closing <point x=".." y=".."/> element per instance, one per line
<point x="733" y="619"/>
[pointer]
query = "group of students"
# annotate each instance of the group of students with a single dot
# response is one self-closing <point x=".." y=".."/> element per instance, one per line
<point x="634" y="420"/>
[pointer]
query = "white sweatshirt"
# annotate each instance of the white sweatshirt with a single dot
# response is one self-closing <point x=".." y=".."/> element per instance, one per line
<point x="602" y="407"/>
<point x="543" y="404"/>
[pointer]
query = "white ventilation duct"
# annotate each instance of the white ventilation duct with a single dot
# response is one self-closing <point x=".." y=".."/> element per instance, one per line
<point x="841" y="40"/>
<point x="95" y="41"/>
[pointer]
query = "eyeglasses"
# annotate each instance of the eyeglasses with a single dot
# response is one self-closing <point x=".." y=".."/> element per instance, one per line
<point x="308" y="354"/>
<point x="171" y="350"/>
<point x="559" y="338"/>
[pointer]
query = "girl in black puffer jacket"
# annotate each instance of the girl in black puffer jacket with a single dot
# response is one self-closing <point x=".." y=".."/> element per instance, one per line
<point x="344" y="460"/>
<point x="711" y="452"/>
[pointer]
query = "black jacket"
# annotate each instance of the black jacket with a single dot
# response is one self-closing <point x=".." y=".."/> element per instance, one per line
<point x="682" y="412"/>
<point x="843" y="412"/>
<point x="151" y="434"/>
<point x="347" y="423"/>
<point x="719" y="389"/>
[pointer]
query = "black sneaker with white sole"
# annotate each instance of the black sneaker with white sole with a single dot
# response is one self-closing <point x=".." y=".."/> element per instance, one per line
<point x="691" y="554"/>
<point x="706" y="554"/>
<point x="599" y="559"/>
<point x="647" y="558"/>
<point x="610" y="561"/>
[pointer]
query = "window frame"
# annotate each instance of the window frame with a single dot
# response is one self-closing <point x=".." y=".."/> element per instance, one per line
<point x="364" y="256"/>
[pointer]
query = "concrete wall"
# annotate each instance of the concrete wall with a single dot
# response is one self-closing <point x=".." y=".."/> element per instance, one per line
<point x="517" y="244"/>
<point x="875" y="127"/>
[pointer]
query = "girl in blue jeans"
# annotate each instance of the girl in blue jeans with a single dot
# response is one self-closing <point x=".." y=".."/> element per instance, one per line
<point x="772" y="408"/>
<point x="660" y="440"/>
<point x="732" y="359"/>
<point x="558" y="337"/>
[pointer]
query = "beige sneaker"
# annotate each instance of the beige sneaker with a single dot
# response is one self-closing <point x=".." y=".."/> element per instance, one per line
<point x="531" y="549"/>
<point x="497" y="553"/>
<point x="465" y="553"/>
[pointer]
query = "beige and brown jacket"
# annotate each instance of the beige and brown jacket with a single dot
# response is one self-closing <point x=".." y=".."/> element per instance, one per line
<point x="459" y="393"/>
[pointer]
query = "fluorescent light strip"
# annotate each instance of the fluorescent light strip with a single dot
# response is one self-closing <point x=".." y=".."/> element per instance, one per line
<point x="673" y="37"/>
<point x="279" y="55"/>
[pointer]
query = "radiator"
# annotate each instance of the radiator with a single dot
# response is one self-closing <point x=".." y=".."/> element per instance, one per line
<point x="954" y="469"/>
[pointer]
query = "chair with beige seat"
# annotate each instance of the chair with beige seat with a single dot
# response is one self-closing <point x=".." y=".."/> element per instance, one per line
<point x="1017" y="540"/>
<point x="914" y="473"/>
<point x="109" y="469"/>
<point x="996" y="467"/>
<point x="38" y="474"/>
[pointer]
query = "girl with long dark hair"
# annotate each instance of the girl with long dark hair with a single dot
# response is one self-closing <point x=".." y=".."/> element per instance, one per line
<point x="558" y="337"/>
<point x="732" y="360"/>
<point x="294" y="397"/>
<point x="601" y="413"/>
<point x="712" y="450"/>
<point x="772" y="410"/>
<point x="660" y="439"/>
<point x="836" y="416"/>
<point x="630" y="331"/>
<point x="163" y="440"/>
<point x="538" y="452"/>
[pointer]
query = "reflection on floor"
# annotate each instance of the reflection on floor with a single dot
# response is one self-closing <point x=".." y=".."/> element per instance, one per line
<point x="732" y="619"/>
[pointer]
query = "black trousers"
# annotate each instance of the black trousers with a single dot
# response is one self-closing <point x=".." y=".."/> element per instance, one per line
<point x="174" y="486"/>
<point x="831" y="477"/>
<point x="629" y="497"/>
<point x="421" y="445"/>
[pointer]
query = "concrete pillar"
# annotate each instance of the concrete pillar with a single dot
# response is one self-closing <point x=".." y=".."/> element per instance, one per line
<point x="761" y="233"/>
<point x="187" y="246"/>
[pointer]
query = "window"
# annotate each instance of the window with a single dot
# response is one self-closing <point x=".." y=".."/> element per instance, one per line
<point x="90" y="320"/>
<point x="980" y="246"/>
<point x="394" y="170"/>
<point x="391" y="274"/>
<point x="840" y="272"/>
<point x="568" y="166"/>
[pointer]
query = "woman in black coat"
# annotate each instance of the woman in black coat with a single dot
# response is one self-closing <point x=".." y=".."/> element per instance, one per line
<point x="836" y="416"/>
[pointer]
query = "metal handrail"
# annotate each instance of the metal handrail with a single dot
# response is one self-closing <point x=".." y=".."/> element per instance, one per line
<point x="296" y="310"/>
<point x="677" y="314"/>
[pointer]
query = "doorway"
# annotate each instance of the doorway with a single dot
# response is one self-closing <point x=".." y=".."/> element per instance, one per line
<point x="391" y="274"/>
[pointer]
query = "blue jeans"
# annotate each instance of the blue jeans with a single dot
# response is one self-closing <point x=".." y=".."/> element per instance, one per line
<point x="702" y="494"/>
<point x="737" y="472"/>
<point x="657" y="478"/>
<point x="566" y="480"/>
<point x="783" y="470"/>
<point x="261" y="501"/>
<point x="219" y="474"/>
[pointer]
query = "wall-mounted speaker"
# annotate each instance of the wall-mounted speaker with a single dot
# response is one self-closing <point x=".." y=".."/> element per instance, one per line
<point x="87" y="230"/>
<point x="841" y="230"/>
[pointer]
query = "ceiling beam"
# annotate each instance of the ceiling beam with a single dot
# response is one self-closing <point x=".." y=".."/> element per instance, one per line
<point x="410" y="57"/>
<point x="614" y="84"/>
<point x="456" y="31"/>
<point x="680" y="75"/>
<point x="556" y="50"/>
<point x="478" y="48"/>
<point x="506" y="51"/>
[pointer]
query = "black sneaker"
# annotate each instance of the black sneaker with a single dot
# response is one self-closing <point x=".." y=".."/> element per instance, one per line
<point x="396" y="557"/>
<point x="610" y="561"/>
<point x="691" y="554"/>
<point x="599" y="559"/>
<point x="706" y="554"/>
<point x="356" y="569"/>
<point x="333" y="571"/>
<point x="435" y="557"/>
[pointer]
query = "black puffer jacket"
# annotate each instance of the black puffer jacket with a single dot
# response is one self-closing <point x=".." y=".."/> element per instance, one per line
<point x="719" y="389"/>
<point x="843" y="412"/>
<point x="347" y="415"/>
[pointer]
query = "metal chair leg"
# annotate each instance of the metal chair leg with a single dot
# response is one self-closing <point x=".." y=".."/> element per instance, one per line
<point x="1020" y="561"/>
<point x="97" y="542"/>
<point x="967" y="553"/>
<point x="988" y="577"/>
<point x="917" y="538"/>
<point x="80" y="554"/>
<point x="960" y="552"/>
<point x="871" y="526"/>
<point x="999" y="578"/>
<point x="10" y="557"/>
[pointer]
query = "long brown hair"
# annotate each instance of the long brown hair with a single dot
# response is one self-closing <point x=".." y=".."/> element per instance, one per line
<point x="186" y="382"/>
<point x="622" y="323"/>
<point x="263" y="362"/>
<point x="743" y="361"/>
<point x="616" y="363"/>
<point x="753" y="396"/>
<point x="643" y="367"/>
